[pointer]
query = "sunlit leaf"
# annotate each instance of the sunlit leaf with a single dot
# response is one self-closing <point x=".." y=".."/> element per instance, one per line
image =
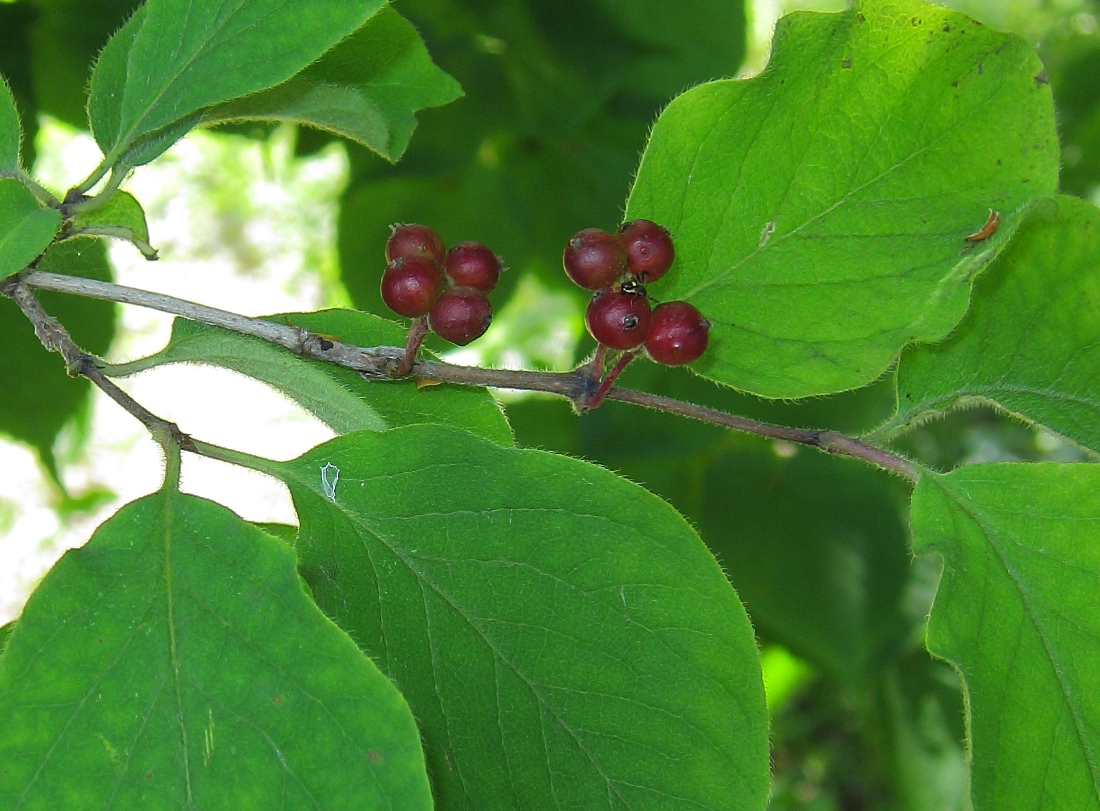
<point x="141" y="86"/>
<point x="821" y="209"/>
<point x="1031" y="343"/>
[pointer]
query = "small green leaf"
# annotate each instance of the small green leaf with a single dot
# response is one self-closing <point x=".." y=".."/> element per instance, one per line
<point x="1016" y="614"/>
<point x="173" y="58"/>
<point x="1031" y="343"/>
<point x="338" y="397"/>
<point x="821" y="209"/>
<point x="26" y="228"/>
<point x="10" y="131"/>
<point x="175" y="661"/>
<point x="563" y="637"/>
<point x="367" y="88"/>
<point x="121" y="211"/>
<point x="39" y="397"/>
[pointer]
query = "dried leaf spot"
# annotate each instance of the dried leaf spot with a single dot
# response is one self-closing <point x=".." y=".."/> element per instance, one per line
<point x="847" y="63"/>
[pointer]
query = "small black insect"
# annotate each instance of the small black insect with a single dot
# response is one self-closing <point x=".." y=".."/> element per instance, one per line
<point x="631" y="287"/>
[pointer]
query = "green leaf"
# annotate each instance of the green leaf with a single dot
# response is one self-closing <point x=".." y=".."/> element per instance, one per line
<point x="26" y="228"/>
<point x="367" y="88"/>
<point x="175" y="661"/>
<point x="39" y="397"/>
<point x="563" y="637"/>
<point x="1016" y="614"/>
<point x="16" y="23"/>
<point x="10" y="131"/>
<point x="5" y="634"/>
<point x="122" y="210"/>
<point x="173" y="58"/>
<point x="338" y="397"/>
<point x="821" y="209"/>
<point x="1031" y="344"/>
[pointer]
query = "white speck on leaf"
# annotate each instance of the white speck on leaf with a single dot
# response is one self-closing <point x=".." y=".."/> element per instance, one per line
<point x="330" y="474"/>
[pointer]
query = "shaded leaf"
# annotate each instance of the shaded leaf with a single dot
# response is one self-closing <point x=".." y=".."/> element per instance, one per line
<point x="5" y="633"/>
<point x="1031" y="344"/>
<point x="175" y="661"/>
<point x="39" y="397"/>
<point x="817" y="548"/>
<point x="16" y="23"/>
<point x="10" y="131"/>
<point x="367" y="88"/>
<point x="1016" y="614"/>
<point x="921" y="703"/>
<point x="821" y="209"/>
<point x="26" y="228"/>
<point x="338" y="397"/>
<point x="140" y="86"/>
<point x="564" y="638"/>
<point x="547" y="138"/>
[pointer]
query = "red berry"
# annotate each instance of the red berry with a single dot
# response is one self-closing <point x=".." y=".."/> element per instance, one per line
<point x="594" y="258"/>
<point x="471" y="264"/>
<point x="460" y="315"/>
<point x="410" y="239"/>
<point x="616" y="319"/>
<point x="678" y="334"/>
<point x="411" y="285"/>
<point x="648" y="246"/>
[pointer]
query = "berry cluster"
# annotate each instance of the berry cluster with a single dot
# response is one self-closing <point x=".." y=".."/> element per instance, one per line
<point x="619" y="316"/>
<point x="448" y="287"/>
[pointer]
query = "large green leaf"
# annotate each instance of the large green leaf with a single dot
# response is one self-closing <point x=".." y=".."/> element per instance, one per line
<point x="176" y="662"/>
<point x="10" y="131"/>
<point x="563" y="637"/>
<point x="174" y="58"/>
<point x="821" y="209"/>
<point x="367" y="88"/>
<point x="39" y="397"/>
<point x="338" y="397"/>
<point x="1016" y="614"/>
<point x="26" y="228"/>
<point x="16" y="21"/>
<point x="1031" y="344"/>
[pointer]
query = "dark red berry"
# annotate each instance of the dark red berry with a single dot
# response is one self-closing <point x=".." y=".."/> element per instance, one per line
<point x="471" y="264"/>
<point x="410" y="239"/>
<point x="460" y="315"/>
<point x="678" y="334"/>
<point x="649" y="250"/>
<point x="411" y="285"/>
<point x="594" y="258"/>
<point x="618" y="320"/>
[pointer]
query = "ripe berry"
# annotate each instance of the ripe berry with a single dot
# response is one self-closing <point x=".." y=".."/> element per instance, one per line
<point x="411" y="285"/>
<point x="648" y="246"/>
<point x="471" y="264"/>
<point x="618" y="320"/>
<point x="409" y="239"/>
<point x="594" y="258"/>
<point x="460" y="315"/>
<point x="678" y="334"/>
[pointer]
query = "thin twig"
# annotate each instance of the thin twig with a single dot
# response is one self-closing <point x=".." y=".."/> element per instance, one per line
<point x="381" y="363"/>
<point x="56" y="338"/>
